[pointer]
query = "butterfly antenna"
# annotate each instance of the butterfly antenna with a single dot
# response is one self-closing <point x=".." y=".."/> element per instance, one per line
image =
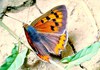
<point x="38" y="9"/>
<point x="54" y="63"/>
<point x="14" y="18"/>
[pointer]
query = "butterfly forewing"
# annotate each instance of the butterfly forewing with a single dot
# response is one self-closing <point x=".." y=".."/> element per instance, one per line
<point x="53" y="21"/>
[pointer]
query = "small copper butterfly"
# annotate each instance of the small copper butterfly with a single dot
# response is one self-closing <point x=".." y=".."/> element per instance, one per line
<point x="47" y="34"/>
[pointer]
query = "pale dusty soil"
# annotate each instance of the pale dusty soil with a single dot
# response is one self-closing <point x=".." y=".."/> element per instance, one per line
<point x="83" y="25"/>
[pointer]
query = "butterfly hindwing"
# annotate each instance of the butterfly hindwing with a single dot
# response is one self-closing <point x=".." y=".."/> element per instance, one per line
<point x="54" y="43"/>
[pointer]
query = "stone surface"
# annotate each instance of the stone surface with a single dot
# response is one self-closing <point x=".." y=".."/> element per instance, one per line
<point x="83" y="26"/>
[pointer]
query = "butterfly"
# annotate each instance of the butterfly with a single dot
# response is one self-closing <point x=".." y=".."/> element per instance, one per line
<point x="47" y="34"/>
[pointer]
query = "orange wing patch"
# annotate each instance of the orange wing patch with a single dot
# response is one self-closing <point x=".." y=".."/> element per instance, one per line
<point x="50" y="23"/>
<point x="52" y="16"/>
<point x="48" y="27"/>
<point x="60" y="46"/>
<point x="55" y="11"/>
<point x="59" y="13"/>
<point x="57" y="20"/>
<point x="46" y="57"/>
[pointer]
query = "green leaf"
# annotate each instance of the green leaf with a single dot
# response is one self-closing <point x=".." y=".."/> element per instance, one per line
<point x="10" y="59"/>
<point x="19" y="60"/>
<point x="15" y="60"/>
<point x="82" y="56"/>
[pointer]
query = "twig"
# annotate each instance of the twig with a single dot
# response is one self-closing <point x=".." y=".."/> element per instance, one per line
<point x="14" y="18"/>
<point x="74" y="50"/>
<point x="72" y="46"/>
<point x="38" y="9"/>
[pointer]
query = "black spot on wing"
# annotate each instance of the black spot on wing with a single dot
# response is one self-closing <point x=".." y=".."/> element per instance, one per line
<point x="56" y="23"/>
<point x="52" y="12"/>
<point x="48" y="18"/>
<point x="54" y="20"/>
<point x="56" y="15"/>
<point x="42" y="21"/>
<point x="52" y="28"/>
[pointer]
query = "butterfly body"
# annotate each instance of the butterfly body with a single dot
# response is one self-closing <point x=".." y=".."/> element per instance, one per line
<point x="47" y="34"/>
<point x="33" y="34"/>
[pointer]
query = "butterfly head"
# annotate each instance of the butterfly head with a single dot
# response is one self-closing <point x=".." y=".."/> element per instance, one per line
<point x="25" y="25"/>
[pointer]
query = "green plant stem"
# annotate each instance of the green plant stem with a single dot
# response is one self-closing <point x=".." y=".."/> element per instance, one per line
<point x="13" y="34"/>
